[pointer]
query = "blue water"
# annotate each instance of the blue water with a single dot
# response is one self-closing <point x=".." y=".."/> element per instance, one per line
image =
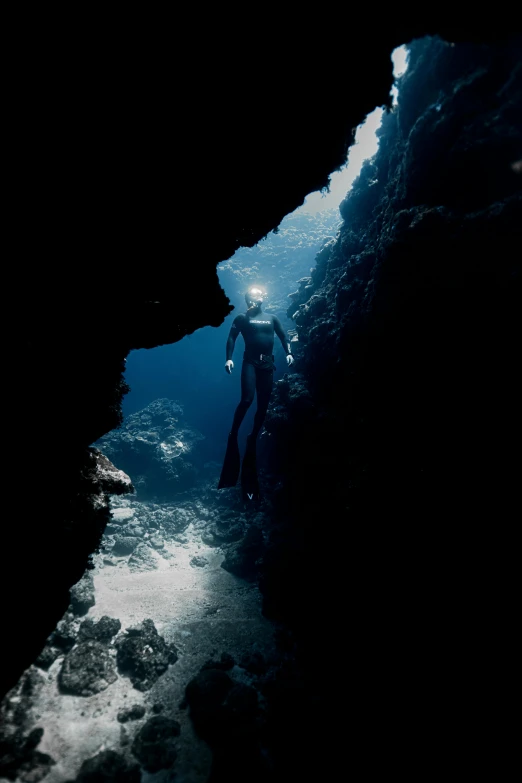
<point x="192" y="371"/>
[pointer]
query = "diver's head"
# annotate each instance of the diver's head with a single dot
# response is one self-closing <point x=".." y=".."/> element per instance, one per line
<point x="255" y="297"/>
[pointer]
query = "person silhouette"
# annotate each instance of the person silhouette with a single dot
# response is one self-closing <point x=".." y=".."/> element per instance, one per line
<point x="258" y="330"/>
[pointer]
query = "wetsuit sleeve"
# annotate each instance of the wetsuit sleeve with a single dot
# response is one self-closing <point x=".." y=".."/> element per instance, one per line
<point x="232" y="336"/>
<point x="278" y="328"/>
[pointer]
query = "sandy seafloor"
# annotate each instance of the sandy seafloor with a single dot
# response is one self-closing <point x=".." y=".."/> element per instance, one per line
<point x="205" y="611"/>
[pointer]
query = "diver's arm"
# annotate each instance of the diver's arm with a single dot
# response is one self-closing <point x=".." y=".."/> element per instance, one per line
<point x="278" y="328"/>
<point x="231" y="341"/>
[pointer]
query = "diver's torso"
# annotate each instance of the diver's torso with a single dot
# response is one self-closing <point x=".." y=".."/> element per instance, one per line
<point x="258" y="333"/>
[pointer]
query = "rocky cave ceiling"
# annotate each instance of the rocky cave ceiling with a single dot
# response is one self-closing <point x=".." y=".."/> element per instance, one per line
<point x="141" y="168"/>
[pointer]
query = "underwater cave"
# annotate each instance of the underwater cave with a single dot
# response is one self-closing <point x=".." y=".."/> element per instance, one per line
<point x="360" y="616"/>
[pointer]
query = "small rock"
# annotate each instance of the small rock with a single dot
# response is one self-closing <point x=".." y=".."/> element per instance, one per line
<point x="82" y="595"/>
<point x="155" y="744"/>
<point x="209" y="538"/>
<point x="125" y="545"/>
<point x="225" y="663"/>
<point x="102" y="631"/>
<point x="143" y="559"/>
<point x="47" y="657"/>
<point x="87" y="669"/>
<point x="108" y="767"/>
<point x="135" y="712"/>
<point x="143" y="655"/>
<point x="66" y="632"/>
<point x="198" y="561"/>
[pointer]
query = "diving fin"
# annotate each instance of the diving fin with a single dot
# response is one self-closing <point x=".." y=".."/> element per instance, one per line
<point x="231" y="464"/>
<point x="249" y="480"/>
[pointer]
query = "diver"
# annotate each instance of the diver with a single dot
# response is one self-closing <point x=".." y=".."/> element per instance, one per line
<point x="257" y="373"/>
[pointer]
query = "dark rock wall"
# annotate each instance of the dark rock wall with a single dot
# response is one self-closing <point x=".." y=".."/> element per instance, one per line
<point x="393" y="445"/>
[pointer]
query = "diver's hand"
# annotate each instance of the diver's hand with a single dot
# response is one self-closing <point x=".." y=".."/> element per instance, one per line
<point x="289" y="359"/>
<point x="229" y="366"/>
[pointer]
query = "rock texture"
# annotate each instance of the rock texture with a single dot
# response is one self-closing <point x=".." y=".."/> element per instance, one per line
<point x="87" y="669"/>
<point x="156" y="448"/>
<point x="108" y="766"/>
<point x="20" y="759"/>
<point x="393" y="431"/>
<point x="155" y="744"/>
<point x="143" y="655"/>
<point x="103" y="685"/>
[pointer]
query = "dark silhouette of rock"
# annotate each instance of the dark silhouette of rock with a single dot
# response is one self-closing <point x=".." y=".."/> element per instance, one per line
<point x="108" y="767"/>
<point x="205" y="696"/>
<point x="226" y="715"/>
<point x="155" y="743"/>
<point x="254" y="663"/>
<point x="225" y="663"/>
<point x="242" y="558"/>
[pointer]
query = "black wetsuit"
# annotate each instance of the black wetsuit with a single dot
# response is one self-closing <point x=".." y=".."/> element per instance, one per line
<point x="258" y="330"/>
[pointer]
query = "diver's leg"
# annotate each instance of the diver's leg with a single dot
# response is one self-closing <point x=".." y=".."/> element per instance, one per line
<point x="248" y="386"/>
<point x="249" y="478"/>
<point x="264" y="381"/>
<point x="231" y="463"/>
